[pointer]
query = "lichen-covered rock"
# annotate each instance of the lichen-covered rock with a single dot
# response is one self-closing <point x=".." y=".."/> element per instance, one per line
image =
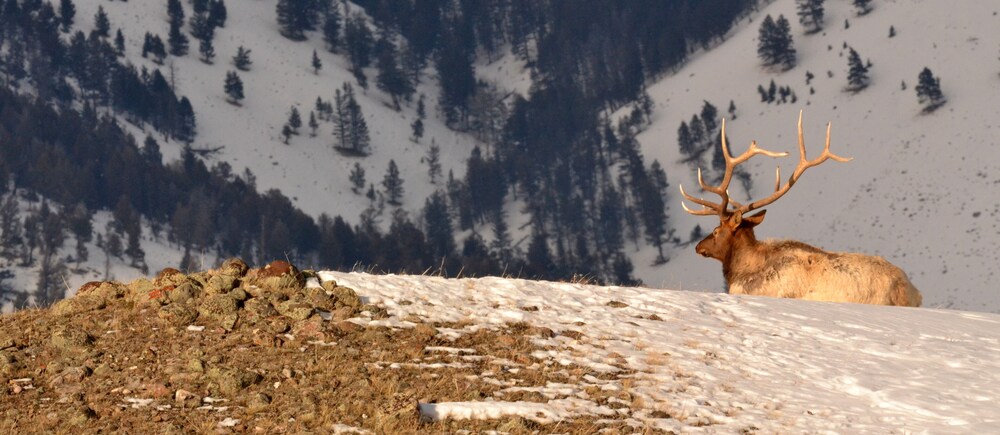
<point x="221" y="308"/>
<point x="78" y="304"/>
<point x="183" y="293"/>
<point x="178" y="314"/>
<point x="295" y="309"/>
<point x="169" y="276"/>
<point x="233" y="381"/>
<point x="319" y="299"/>
<point x="234" y="267"/>
<point x="346" y="296"/>
<point x="71" y="340"/>
<point x="256" y="310"/>
<point x="220" y="284"/>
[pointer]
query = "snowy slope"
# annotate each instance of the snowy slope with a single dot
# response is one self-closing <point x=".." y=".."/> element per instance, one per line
<point x="687" y="361"/>
<point x="921" y="190"/>
<point x="307" y="170"/>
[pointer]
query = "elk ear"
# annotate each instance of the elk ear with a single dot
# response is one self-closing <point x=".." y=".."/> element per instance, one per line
<point x="754" y="219"/>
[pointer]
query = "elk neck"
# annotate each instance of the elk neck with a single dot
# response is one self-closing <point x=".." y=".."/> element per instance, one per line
<point x="745" y="254"/>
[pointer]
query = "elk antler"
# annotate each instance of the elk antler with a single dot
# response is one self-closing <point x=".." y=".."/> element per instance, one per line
<point x="708" y="207"/>
<point x="779" y="190"/>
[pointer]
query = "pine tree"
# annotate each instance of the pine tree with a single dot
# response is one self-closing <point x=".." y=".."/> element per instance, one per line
<point x="358" y="40"/>
<point x="358" y="140"/>
<point x="119" y="43"/>
<point x="177" y="40"/>
<point x="67" y="12"/>
<point x="151" y="151"/>
<point x="767" y="41"/>
<point x="929" y="91"/>
<point x="685" y="143"/>
<point x="391" y="78"/>
<point x="732" y="110"/>
<point x="857" y="74"/>
<point x="175" y="12"/>
<point x="313" y="125"/>
<point x="810" y="14"/>
<point x="417" y="127"/>
<point x="201" y="28"/>
<point x="207" y="51"/>
<point x="786" y="52"/>
<point x="234" y="88"/>
<point x="242" y="60"/>
<point x="433" y="162"/>
<point x="709" y="115"/>
<point x="438" y="226"/>
<point x="393" y="184"/>
<point x="316" y="63"/>
<point x="294" y="120"/>
<point x="892" y="31"/>
<point x="286" y="133"/>
<point x="357" y="178"/>
<point x="331" y="29"/>
<point x="102" y="27"/>
<point x="217" y="13"/>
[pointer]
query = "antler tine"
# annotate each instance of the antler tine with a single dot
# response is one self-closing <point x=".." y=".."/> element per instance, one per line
<point x="804" y="164"/>
<point x="723" y="188"/>
<point x="708" y="209"/>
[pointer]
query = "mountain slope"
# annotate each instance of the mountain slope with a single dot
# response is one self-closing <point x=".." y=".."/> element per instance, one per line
<point x="921" y="188"/>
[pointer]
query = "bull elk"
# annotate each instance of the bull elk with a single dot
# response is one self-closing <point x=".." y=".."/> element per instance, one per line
<point x="788" y="268"/>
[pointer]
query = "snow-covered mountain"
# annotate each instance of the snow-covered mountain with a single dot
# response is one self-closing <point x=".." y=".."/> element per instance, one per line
<point x="922" y="188"/>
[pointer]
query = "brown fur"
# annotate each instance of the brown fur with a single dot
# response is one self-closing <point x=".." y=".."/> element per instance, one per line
<point x="792" y="269"/>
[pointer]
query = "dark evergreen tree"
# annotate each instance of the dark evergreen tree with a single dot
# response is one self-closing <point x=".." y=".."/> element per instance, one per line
<point x="313" y="124"/>
<point x="67" y="12"/>
<point x="151" y="150"/>
<point x="175" y="13"/>
<point x="234" y="88"/>
<point x="200" y="6"/>
<point x="417" y="129"/>
<point x="685" y="143"/>
<point x="295" y="17"/>
<point x="242" y="60"/>
<point x="393" y="184"/>
<point x="929" y="91"/>
<point x="501" y="245"/>
<point x="186" y="124"/>
<point x="433" y="160"/>
<point x="10" y="227"/>
<point x="316" y="63"/>
<point x="357" y="178"/>
<point x="201" y="28"/>
<point x="119" y="43"/>
<point x="358" y="41"/>
<point x="286" y="133"/>
<point x="294" y="120"/>
<point x="786" y="51"/>
<point x="102" y="27"/>
<point x="438" y="227"/>
<point x="331" y="29"/>
<point x="390" y="78"/>
<point x="709" y="117"/>
<point x="857" y="74"/>
<point x="178" y="41"/>
<point x="206" y="50"/>
<point x="350" y="126"/>
<point x="732" y="110"/>
<point x="810" y="14"/>
<point x="892" y="31"/>
<point x="456" y="76"/>
<point x="217" y="13"/>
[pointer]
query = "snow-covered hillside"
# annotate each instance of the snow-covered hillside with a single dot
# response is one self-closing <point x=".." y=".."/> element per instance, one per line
<point x="307" y="170"/>
<point x="922" y="188"/>
<point x="721" y="363"/>
<point x="920" y="191"/>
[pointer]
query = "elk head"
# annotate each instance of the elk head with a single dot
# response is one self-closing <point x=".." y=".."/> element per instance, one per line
<point x="736" y="230"/>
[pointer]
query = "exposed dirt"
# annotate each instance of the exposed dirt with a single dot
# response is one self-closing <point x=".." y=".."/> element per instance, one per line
<point x="256" y="350"/>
